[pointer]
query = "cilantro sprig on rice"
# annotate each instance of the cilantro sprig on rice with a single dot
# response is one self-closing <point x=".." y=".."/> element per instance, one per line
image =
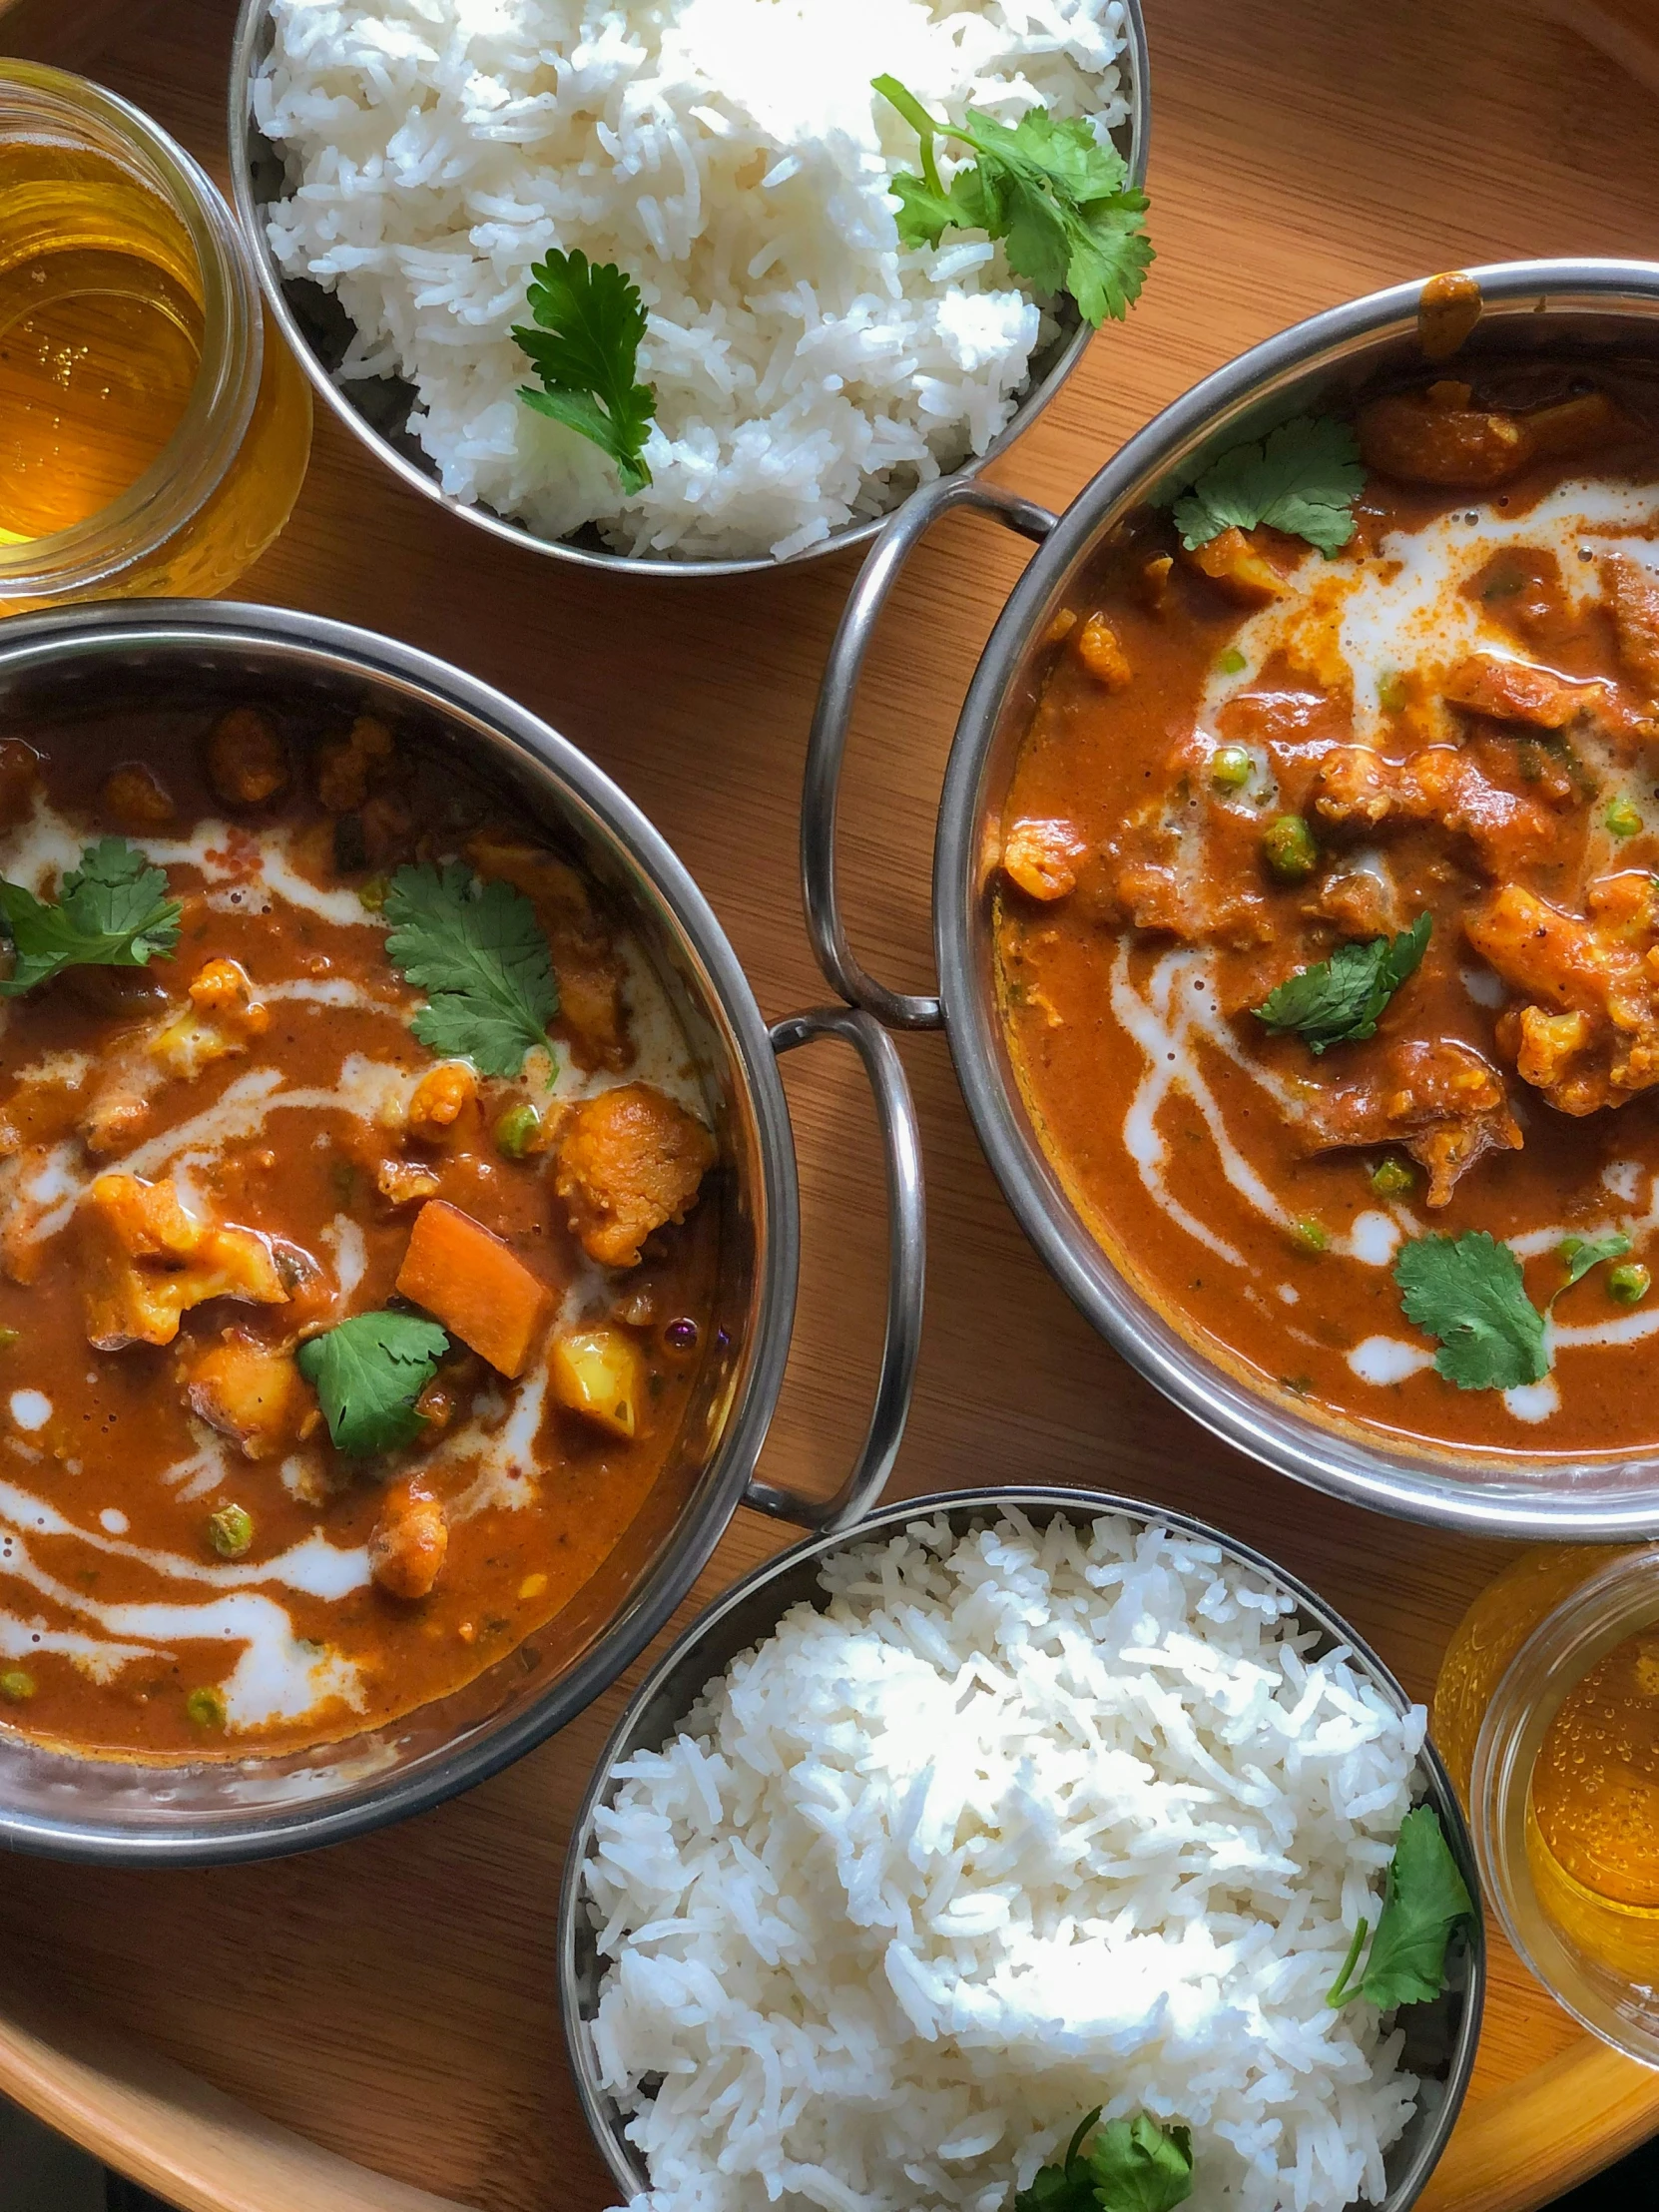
<point x="585" y="348"/>
<point x="1058" y="198"/>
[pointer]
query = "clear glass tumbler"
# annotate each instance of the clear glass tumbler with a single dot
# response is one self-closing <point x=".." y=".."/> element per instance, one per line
<point x="1547" y="1714"/>
<point x="154" y="429"/>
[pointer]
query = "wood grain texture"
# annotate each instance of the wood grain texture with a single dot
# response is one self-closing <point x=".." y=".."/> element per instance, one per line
<point x="373" y="2029"/>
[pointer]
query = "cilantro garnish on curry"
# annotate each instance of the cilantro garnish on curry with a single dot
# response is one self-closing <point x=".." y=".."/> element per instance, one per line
<point x="354" y="1268"/>
<point x="1329" y="911"/>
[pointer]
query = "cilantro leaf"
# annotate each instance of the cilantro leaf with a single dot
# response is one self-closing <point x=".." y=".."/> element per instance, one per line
<point x="1139" y="2166"/>
<point x="1131" y="2166"/>
<point x="367" y="1373"/>
<point x="1578" y="1255"/>
<point x="1302" y="478"/>
<point x="111" y="911"/>
<point x="1338" y="1001"/>
<point x="1424" y="1900"/>
<point x="1060" y="202"/>
<point x="478" y="953"/>
<point x="1067" y="2187"/>
<point x="1467" y="1291"/>
<point x="585" y="349"/>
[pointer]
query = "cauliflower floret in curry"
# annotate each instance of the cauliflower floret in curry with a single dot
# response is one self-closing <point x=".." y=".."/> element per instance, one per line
<point x="631" y="1161"/>
<point x="146" y="1262"/>
<point x="1587" y="1035"/>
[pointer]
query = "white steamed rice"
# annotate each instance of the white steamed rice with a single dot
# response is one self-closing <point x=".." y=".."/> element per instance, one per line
<point x="730" y="156"/>
<point x="1021" y="1824"/>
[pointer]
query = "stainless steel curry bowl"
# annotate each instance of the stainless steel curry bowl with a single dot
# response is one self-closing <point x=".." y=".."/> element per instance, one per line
<point x="57" y="671"/>
<point x="1440" y="2038"/>
<point x="378" y="409"/>
<point x="1596" y="308"/>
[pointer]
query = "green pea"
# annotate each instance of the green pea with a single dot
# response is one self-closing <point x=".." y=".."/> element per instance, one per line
<point x="1628" y="1285"/>
<point x="1231" y="661"/>
<point x="1621" y="819"/>
<point x="373" y="894"/>
<point x="231" y="1530"/>
<point x="16" y="1684"/>
<point x="1309" y="1234"/>
<point x="517" y="1130"/>
<point x="1391" y="691"/>
<point x="1230" y="768"/>
<point x="1391" y="1177"/>
<point x="1289" y="849"/>
<point x="206" y="1708"/>
<point x="9" y="1336"/>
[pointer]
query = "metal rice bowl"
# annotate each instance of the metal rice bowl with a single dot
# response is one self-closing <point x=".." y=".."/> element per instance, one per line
<point x="1440" y="2038"/>
<point x="376" y="410"/>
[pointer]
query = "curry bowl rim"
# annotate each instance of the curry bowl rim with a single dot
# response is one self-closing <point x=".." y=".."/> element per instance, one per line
<point x="686" y="1669"/>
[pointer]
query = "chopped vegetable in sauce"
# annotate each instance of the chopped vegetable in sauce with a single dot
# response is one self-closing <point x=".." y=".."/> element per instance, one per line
<point x="1578" y="1255"/>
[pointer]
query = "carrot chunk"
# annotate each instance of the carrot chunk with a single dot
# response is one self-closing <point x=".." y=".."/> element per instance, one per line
<point x="471" y="1281"/>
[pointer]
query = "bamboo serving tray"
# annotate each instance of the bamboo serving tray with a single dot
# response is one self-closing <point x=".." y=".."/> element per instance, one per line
<point x="373" y="2028"/>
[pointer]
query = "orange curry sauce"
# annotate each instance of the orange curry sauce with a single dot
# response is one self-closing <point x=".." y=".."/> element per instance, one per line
<point x="1459" y="708"/>
<point x="283" y="1113"/>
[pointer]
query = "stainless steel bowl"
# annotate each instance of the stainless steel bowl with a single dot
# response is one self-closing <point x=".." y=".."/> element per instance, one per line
<point x="1596" y="308"/>
<point x="57" y="671"/>
<point x="1442" y="2037"/>
<point x="378" y="409"/>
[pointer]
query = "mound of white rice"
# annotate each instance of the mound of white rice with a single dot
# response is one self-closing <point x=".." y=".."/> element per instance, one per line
<point x="731" y="156"/>
<point x="1020" y="1825"/>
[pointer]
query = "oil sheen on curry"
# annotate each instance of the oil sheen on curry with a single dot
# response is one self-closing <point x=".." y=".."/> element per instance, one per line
<point x="1327" y="916"/>
<point x="353" y="1270"/>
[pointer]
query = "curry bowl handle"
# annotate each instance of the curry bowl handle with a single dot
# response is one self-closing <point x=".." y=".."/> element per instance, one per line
<point x="895" y="1115"/>
<point x="832" y="718"/>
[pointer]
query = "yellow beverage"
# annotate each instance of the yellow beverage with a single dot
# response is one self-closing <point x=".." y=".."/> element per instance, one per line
<point x="153" y="428"/>
<point x="1582" y="1889"/>
<point x="100" y="334"/>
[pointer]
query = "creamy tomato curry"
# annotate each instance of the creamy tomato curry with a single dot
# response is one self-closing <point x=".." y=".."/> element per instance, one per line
<point x="352" y="1269"/>
<point x="1326" y="923"/>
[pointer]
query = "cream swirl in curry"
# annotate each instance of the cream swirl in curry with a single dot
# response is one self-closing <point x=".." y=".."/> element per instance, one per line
<point x="348" y="1321"/>
<point x="1327" y="928"/>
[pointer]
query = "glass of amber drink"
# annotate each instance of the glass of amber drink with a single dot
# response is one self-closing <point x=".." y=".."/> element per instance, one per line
<point x="153" y="430"/>
<point x="1547" y="1712"/>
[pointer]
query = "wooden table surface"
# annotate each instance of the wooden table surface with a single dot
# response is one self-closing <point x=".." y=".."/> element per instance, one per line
<point x="375" y="2026"/>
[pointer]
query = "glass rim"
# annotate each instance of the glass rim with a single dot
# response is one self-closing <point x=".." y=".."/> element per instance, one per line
<point x="194" y="461"/>
<point x="1609" y="1606"/>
